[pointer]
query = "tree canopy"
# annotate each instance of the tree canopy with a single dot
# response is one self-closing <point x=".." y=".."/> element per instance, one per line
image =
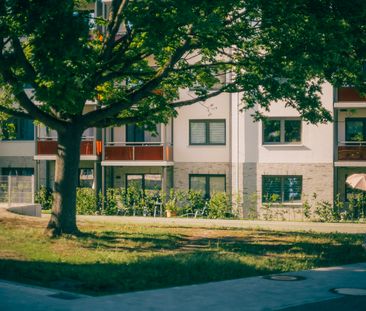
<point x="275" y="50"/>
<point x="134" y="57"/>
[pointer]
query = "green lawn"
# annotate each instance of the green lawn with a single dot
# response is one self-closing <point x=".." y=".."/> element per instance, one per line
<point x="120" y="258"/>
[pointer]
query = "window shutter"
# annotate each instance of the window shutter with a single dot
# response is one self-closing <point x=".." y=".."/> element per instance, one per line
<point x="198" y="133"/>
<point x="217" y="132"/>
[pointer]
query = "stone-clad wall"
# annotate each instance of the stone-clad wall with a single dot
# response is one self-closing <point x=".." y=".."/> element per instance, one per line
<point x="317" y="178"/>
<point x="17" y="162"/>
<point x="183" y="169"/>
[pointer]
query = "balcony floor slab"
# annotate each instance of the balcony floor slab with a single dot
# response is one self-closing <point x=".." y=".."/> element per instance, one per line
<point x="137" y="163"/>
<point x="350" y="164"/>
<point x="52" y="157"/>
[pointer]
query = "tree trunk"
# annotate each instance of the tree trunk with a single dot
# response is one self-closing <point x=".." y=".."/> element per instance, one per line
<point x="63" y="216"/>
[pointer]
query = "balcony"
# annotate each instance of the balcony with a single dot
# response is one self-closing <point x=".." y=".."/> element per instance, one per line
<point x="144" y="151"/>
<point x="349" y="94"/>
<point x="48" y="147"/>
<point x="352" y="151"/>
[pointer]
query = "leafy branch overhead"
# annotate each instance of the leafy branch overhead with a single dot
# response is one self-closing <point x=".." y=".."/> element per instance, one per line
<point x="136" y="57"/>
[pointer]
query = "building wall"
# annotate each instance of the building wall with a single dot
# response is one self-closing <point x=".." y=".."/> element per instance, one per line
<point x="17" y="148"/>
<point x="16" y="161"/>
<point x="183" y="169"/>
<point x="117" y="175"/>
<point x="317" y="178"/>
<point x="216" y="108"/>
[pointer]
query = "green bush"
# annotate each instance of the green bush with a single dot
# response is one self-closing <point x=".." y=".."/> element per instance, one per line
<point x="113" y="202"/>
<point x="219" y="206"/>
<point x="44" y="197"/>
<point x="86" y="201"/>
<point x="195" y="200"/>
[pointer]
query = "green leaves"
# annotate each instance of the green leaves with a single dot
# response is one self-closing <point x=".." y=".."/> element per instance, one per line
<point x="276" y="51"/>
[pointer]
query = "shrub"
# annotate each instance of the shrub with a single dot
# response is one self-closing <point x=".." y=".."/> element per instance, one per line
<point x="86" y="201"/>
<point x="219" y="206"/>
<point x="324" y="211"/>
<point x="190" y="201"/>
<point x="113" y="202"/>
<point x="171" y="203"/>
<point x="44" y="197"/>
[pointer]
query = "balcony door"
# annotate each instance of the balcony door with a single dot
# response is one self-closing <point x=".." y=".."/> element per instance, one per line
<point x="355" y="130"/>
<point x="137" y="134"/>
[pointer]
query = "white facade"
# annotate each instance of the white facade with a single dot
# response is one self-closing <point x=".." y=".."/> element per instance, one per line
<point x="242" y="163"/>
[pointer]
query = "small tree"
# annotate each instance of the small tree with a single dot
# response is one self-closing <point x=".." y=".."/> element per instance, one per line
<point x="274" y="50"/>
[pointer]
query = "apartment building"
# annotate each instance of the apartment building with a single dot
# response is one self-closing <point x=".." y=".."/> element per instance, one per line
<point x="212" y="146"/>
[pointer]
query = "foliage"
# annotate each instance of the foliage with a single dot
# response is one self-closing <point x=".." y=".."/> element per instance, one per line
<point x="171" y="203"/>
<point x="219" y="205"/>
<point x="86" y="201"/>
<point x="44" y="197"/>
<point x="275" y="50"/>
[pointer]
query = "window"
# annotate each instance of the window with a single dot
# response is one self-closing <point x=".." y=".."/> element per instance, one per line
<point x="208" y="184"/>
<point x="17" y="171"/>
<point x="281" y="188"/>
<point x="17" y="129"/>
<point x="147" y="182"/>
<point x="282" y="131"/>
<point x="86" y="177"/>
<point x="355" y="129"/>
<point x="207" y="132"/>
<point x="138" y="134"/>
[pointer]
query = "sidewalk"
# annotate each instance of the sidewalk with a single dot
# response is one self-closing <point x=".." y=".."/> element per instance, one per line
<point x="256" y="293"/>
<point x="270" y="225"/>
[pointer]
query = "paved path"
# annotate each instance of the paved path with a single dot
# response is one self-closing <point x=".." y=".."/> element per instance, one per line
<point x="254" y="293"/>
<point x="271" y="225"/>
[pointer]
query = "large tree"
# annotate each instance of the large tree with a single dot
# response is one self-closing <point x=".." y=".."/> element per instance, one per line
<point x="138" y="58"/>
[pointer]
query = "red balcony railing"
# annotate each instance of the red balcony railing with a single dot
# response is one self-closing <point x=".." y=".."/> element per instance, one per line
<point x="350" y="94"/>
<point x="138" y="152"/>
<point x="48" y="146"/>
<point x="352" y="151"/>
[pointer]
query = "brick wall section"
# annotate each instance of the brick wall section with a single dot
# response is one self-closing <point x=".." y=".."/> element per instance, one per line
<point x="183" y="169"/>
<point x="250" y="190"/>
<point x="317" y="178"/>
<point x="17" y="162"/>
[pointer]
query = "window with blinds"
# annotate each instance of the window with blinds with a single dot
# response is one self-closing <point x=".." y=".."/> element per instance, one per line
<point x="279" y="189"/>
<point x="208" y="184"/>
<point x="207" y="132"/>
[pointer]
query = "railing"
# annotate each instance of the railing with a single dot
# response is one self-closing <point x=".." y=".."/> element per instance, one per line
<point x="352" y="151"/>
<point x="138" y="151"/>
<point x="349" y="94"/>
<point x="49" y="145"/>
<point x="16" y="190"/>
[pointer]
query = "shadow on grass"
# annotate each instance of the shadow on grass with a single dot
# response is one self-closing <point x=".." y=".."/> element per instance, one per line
<point x="146" y="273"/>
<point x="190" y="260"/>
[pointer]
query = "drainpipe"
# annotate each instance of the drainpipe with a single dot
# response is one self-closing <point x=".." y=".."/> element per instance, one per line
<point x="335" y="148"/>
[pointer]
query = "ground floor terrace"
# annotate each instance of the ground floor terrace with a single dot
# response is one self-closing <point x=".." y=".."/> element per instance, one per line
<point x="258" y="189"/>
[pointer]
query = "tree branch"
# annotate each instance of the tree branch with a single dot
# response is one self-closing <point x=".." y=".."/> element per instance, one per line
<point x="27" y="104"/>
<point x="93" y="117"/>
<point x="15" y="113"/>
<point x="113" y="27"/>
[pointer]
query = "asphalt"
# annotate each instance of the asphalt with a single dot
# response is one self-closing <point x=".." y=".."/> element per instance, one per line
<point x="312" y="292"/>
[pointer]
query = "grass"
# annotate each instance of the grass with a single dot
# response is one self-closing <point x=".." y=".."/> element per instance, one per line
<point x="113" y="258"/>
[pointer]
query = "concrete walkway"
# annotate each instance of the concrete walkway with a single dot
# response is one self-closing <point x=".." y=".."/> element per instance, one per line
<point x="218" y="223"/>
<point x="256" y="293"/>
